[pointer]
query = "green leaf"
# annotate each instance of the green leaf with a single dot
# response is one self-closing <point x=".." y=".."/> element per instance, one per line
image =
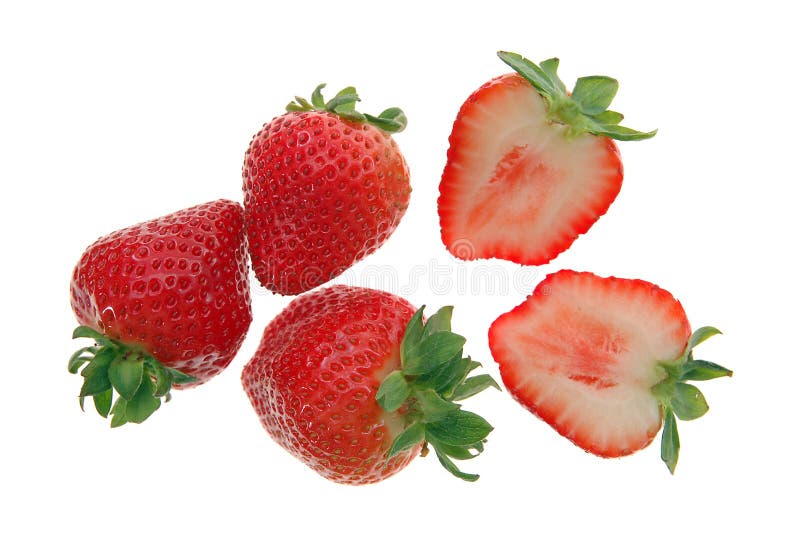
<point x="393" y="392"/>
<point x="351" y="115"/>
<point x="441" y="378"/>
<point x="621" y="133"/>
<point x="531" y="72"/>
<point x="462" y="453"/>
<point x="303" y="102"/>
<point x="688" y="402"/>
<point x="392" y="120"/>
<point x="698" y="370"/>
<point x="702" y="334"/>
<point x="410" y="437"/>
<point x="439" y="321"/>
<point x="392" y="113"/>
<point x="585" y="110"/>
<point x="179" y="377"/>
<point x="433" y="351"/>
<point x="316" y="97"/>
<point x="459" y="428"/>
<point x="118" y="412"/>
<point x="453" y="469"/>
<point x="162" y="377"/>
<point x="465" y="366"/>
<point x="143" y="404"/>
<point x="345" y="100"/>
<point x="433" y="406"/>
<point x="84" y="332"/>
<point x="550" y="67"/>
<point x="594" y="93"/>
<point x="96" y="373"/>
<point x="664" y="390"/>
<point x="433" y="367"/>
<point x="75" y="363"/>
<point x="126" y="376"/>
<point x="609" y="117"/>
<point x="413" y="334"/>
<point x="102" y="402"/>
<point x="77" y="359"/>
<point x="670" y="443"/>
<point x="473" y="386"/>
<point x="101" y="359"/>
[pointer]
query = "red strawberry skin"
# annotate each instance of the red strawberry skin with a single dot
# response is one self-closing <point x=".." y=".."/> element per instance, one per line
<point x="582" y="353"/>
<point x="314" y="378"/>
<point x="514" y="187"/>
<point x="320" y="194"/>
<point x="175" y="286"/>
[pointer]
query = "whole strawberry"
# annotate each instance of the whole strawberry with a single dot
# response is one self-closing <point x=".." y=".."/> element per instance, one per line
<point x="531" y="166"/>
<point x="167" y="303"/>
<point x="350" y="381"/>
<point x="324" y="186"/>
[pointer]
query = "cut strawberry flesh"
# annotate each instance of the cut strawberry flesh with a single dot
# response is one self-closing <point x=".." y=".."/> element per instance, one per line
<point x="582" y="353"/>
<point x="515" y="187"/>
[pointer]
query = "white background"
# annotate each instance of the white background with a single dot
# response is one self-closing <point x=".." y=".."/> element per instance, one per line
<point x="111" y="115"/>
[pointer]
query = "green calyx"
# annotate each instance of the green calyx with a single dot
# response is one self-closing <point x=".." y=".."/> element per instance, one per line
<point x="434" y="376"/>
<point x="680" y="399"/>
<point x="139" y="380"/>
<point x="585" y="109"/>
<point x="391" y="120"/>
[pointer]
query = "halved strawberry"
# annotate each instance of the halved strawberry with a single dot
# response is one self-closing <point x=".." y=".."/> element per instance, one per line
<point x="604" y="361"/>
<point x="530" y="166"/>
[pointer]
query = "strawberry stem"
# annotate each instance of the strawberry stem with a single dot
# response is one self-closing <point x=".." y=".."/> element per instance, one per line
<point x="585" y="109"/>
<point x="680" y="399"/>
<point x="139" y="380"/>
<point x="391" y="120"/>
<point x="433" y="377"/>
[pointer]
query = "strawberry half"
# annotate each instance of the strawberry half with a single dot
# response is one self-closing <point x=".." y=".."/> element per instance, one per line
<point x="604" y="361"/>
<point x="352" y="382"/>
<point x="324" y="186"/>
<point x="167" y="302"/>
<point x="530" y="166"/>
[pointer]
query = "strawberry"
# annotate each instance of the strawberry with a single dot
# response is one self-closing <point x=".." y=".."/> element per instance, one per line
<point x="324" y="186"/>
<point x="604" y="361"/>
<point x="351" y="382"/>
<point x="167" y="302"/>
<point x="530" y="166"/>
